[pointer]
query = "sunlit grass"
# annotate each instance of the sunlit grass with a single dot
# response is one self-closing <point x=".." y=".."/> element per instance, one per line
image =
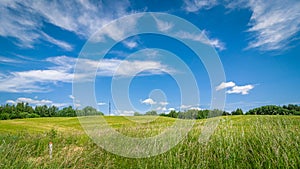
<point x="238" y="142"/>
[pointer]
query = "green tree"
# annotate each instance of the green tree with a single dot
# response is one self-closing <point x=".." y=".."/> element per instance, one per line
<point x="151" y="113"/>
<point x="89" y="110"/>
<point x="42" y="111"/>
<point x="225" y="113"/>
<point x="238" y="111"/>
<point x="67" y="112"/>
<point x="173" y="114"/>
<point x="137" y="114"/>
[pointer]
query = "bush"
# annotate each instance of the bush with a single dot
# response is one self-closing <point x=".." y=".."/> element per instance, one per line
<point x="24" y="115"/>
<point x="33" y="115"/>
<point x="4" y="116"/>
<point x="297" y="113"/>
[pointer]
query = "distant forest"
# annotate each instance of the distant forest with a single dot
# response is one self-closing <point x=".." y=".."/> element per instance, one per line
<point x="263" y="110"/>
<point x="24" y="110"/>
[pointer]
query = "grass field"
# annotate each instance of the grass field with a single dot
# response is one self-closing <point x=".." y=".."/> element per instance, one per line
<point x="238" y="142"/>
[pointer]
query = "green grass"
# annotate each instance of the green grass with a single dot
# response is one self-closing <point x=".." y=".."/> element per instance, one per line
<point x="238" y="142"/>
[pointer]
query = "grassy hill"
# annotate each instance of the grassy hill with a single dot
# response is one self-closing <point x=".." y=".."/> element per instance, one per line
<point x="238" y="142"/>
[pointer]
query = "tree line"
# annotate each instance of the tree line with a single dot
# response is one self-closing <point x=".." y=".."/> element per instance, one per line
<point x="202" y="114"/>
<point x="24" y="110"/>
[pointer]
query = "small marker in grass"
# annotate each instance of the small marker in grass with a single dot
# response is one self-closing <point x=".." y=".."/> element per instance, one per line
<point x="50" y="149"/>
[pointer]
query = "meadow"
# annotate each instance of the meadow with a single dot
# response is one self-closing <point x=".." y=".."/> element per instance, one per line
<point x="251" y="141"/>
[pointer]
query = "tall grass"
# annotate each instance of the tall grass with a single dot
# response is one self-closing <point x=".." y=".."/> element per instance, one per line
<point x="238" y="142"/>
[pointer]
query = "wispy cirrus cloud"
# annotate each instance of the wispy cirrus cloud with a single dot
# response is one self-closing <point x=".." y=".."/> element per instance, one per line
<point x="4" y="59"/>
<point x="24" y="20"/>
<point x="59" y="43"/>
<point x="196" y="5"/>
<point x="203" y="38"/>
<point x="60" y="70"/>
<point x="162" y="25"/>
<point x="273" y="24"/>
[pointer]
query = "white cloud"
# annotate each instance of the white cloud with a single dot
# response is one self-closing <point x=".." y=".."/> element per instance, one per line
<point x="62" y="71"/>
<point x="36" y="102"/>
<point x="235" y="88"/>
<point x="8" y="60"/>
<point x="30" y="101"/>
<point x="38" y="80"/>
<point x="148" y="101"/>
<point x="203" y="38"/>
<point x="240" y="89"/>
<point x="24" y="20"/>
<point x="151" y="52"/>
<point x="101" y="104"/>
<point x="44" y="75"/>
<point x="163" y="103"/>
<point x="127" y="68"/>
<point x="130" y="44"/>
<point x="171" y="109"/>
<point x="71" y="97"/>
<point x="59" y="43"/>
<point x="163" y="26"/>
<point x="157" y="106"/>
<point x="127" y="113"/>
<point x="273" y="23"/>
<point x="116" y="31"/>
<point x="196" y="5"/>
<point x="225" y="85"/>
<point x="10" y="102"/>
<point x="160" y="109"/>
<point x="185" y="106"/>
<point x="190" y="107"/>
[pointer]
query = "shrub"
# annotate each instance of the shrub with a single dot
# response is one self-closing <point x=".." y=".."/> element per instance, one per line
<point x="4" y="116"/>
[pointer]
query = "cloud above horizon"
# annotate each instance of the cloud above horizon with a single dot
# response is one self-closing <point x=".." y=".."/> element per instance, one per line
<point x="235" y="89"/>
<point x="24" y="21"/>
<point x="62" y="67"/>
<point x="272" y="25"/>
<point x="35" y="102"/>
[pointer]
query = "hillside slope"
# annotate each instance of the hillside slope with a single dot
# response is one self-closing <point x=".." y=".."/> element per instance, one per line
<point x="238" y="142"/>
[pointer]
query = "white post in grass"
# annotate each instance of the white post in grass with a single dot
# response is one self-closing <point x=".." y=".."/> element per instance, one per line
<point x="50" y="149"/>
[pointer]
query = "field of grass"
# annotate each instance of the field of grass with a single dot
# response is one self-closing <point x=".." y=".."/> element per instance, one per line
<point x="238" y="142"/>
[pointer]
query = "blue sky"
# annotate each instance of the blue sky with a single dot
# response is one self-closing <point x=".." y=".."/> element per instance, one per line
<point x="257" y="43"/>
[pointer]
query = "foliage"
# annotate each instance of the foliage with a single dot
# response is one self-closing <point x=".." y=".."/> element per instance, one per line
<point x="275" y="110"/>
<point x="88" y="111"/>
<point x="151" y="113"/>
<point x="23" y="110"/>
<point x="193" y="114"/>
<point x="238" y="111"/>
<point x="264" y="110"/>
<point x="225" y="113"/>
<point x="137" y="114"/>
